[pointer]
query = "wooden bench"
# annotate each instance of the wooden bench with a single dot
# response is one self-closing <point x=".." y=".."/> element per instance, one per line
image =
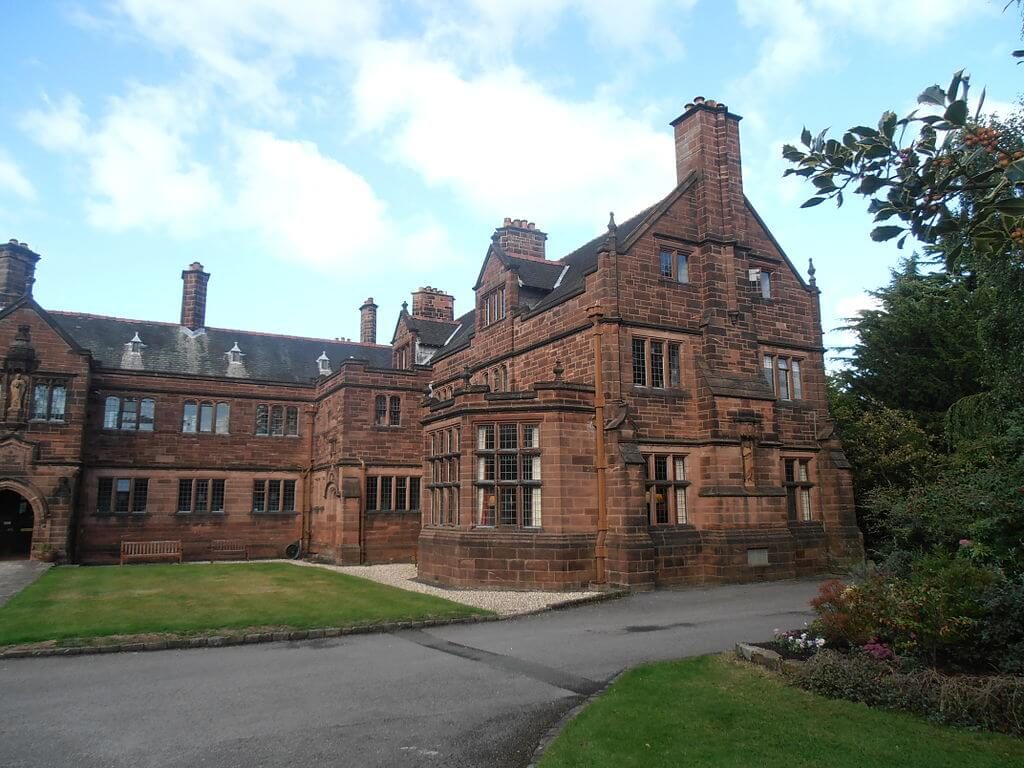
<point x="150" y="550"/>
<point x="229" y="547"/>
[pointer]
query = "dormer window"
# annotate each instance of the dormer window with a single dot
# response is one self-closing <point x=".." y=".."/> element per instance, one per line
<point x="235" y="354"/>
<point x="136" y="345"/>
<point x="323" y="364"/>
<point x="492" y="308"/>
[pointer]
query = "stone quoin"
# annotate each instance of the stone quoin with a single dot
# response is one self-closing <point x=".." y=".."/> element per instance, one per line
<point x="649" y="409"/>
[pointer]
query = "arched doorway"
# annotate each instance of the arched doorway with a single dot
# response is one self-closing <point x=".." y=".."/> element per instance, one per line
<point x="16" y="521"/>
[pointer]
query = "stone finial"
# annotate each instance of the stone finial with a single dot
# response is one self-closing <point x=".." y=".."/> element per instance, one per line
<point x="405" y="306"/>
<point x="466" y="375"/>
<point x="558" y="369"/>
<point x="811" y="271"/>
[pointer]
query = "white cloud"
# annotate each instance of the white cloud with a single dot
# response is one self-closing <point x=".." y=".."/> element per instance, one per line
<point x="139" y="163"/>
<point x="504" y="144"/>
<point x="13" y="180"/>
<point x="60" y="127"/>
<point x="250" y="45"/>
<point x="844" y="309"/>
<point x="314" y="209"/>
<point x="799" y="35"/>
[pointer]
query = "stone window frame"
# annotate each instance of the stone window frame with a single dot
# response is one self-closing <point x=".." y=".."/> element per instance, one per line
<point x="268" y="413"/>
<point x="796" y="479"/>
<point x="492" y="467"/>
<point x="206" y="417"/>
<point x="51" y="384"/>
<point x="670" y="489"/>
<point x="445" y="460"/>
<point x="266" y="489"/>
<point x="786" y="377"/>
<point x="654" y="370"/>
<point x="374" y="489"/>
<point x="202" y="496"/>
<point x="108" y="489"/>
<point x="674" y="265"/>
<point x="143" y="414"/>
<point x="493" y="307"/>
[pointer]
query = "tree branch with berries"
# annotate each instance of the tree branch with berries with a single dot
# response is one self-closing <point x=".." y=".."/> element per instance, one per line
<point x="952" y="181"/>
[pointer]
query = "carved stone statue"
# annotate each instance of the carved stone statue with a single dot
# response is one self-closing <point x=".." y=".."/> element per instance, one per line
<point x="16" y="403"/>
<point x="3" y="396"/>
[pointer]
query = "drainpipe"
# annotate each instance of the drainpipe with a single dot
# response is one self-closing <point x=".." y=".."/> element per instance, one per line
<point x="595" y="314"/>
<point x="306" y="533"/>
<point x="361" y="529"/>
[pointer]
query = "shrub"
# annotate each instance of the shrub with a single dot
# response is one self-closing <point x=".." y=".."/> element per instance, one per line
<point x="994" y="702"/>
<point x="1002" y="629"/>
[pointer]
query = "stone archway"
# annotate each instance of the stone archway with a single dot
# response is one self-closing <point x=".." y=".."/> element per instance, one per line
<point x="17" y="523"/>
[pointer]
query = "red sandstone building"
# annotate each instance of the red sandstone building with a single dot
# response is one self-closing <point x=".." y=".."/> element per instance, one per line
<point x="648" y="409"/>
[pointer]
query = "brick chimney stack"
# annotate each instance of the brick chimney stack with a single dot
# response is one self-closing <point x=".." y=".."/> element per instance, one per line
<point x="193" y="296"/>
<point x="707" y="138"/>
<point x="368" y="322"/>
<point x="433" y="304"/>
<point x="519" y="237"/>
<point x="17" y="271"/>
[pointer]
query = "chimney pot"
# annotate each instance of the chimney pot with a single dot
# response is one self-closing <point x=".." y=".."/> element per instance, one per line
<point x="698" y="99"/>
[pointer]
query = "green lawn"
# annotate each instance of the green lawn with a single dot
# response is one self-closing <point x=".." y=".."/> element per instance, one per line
<point x="188" y="599"/>
<point x="713" y="712"/>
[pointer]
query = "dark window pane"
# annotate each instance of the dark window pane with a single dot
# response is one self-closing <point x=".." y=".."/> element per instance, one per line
<point x="640" y="362"/>
<point x="122" y="493"/>
<point x="291" y="426"/>
<point x="110" y="411"/>
<point x="106" y="488"/>
<point x="184" y="495"/>
<point x="790" y="474"/>
<point x="666" y="264"/>
<point x="262" y="420"/>
<point x="682" y="268"/>
<point x="188" y="419"/>
<point x="509" y="437"/>
<point x="259" y="496"/>
<point x="380" y="409"/>
<point x="147" y="415"/>
<point x="395" y="411"/>
<point x="58" y="401"/>
<point x="206" y="417"/>
<point x="277" y="421"/>
<point x="273" y="496"/>
<point x="385" y="493"/>
<point x="371" y="493"/>
<point x="507" y="466"/>
<point x="202" y="495"/>
<point x="223" y="418"/>
<point x="217" y="496"/>
<point x="400" y="492"/>
<point x="288" y="498"/>
<point x="673" y="366"/>
<point x="661" y="505"/>
<point x="140" y="495"/>
<point x="657" y="364"/>
<point x="414" y="493"/>
<point x="129" y="413"/>
<point x="507" y="505"/>
<point x="40" y="401"/>
<point x="783" y="379"/>
<point x="661" y="467"/>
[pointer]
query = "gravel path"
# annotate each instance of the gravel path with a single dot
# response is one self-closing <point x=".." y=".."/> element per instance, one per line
<point x="502" y="602"/>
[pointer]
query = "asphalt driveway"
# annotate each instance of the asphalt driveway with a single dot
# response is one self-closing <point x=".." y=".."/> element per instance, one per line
<point x="468" y="695"/>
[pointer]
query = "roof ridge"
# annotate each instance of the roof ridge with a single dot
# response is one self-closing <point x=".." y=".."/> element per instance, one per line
<point x="67" y="313"/>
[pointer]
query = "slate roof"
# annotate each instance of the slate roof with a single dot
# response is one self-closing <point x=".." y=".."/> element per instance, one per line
<point x="464" y="331"/>
<point x="431" y="332"/>
<point x="171" y="349"/>
<point x="583" y="261"/>
<point x="534" y="273"/>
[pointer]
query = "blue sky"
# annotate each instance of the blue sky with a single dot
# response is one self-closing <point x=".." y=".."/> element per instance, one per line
<point x="313" y="153"/>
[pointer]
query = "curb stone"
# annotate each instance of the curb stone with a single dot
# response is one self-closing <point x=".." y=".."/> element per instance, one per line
<point x="555" y="731"/>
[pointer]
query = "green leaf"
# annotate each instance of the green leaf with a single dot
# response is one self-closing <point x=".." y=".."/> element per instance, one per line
<point x="1015" y="171"/>
<point x="805" y="137"/>
<point x="954" y="85"/>
<point x="887" y="124"/>
<point x="870" y="184"/>
<point x="813" y="202"/>
<point x="863" y="130"/>
<point x="932" y="95"/>
<point x="1014" y="206"/>
<point x="956" y="113"/>
<point x="881" y="234"/>
<point x="981" y="103"/>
